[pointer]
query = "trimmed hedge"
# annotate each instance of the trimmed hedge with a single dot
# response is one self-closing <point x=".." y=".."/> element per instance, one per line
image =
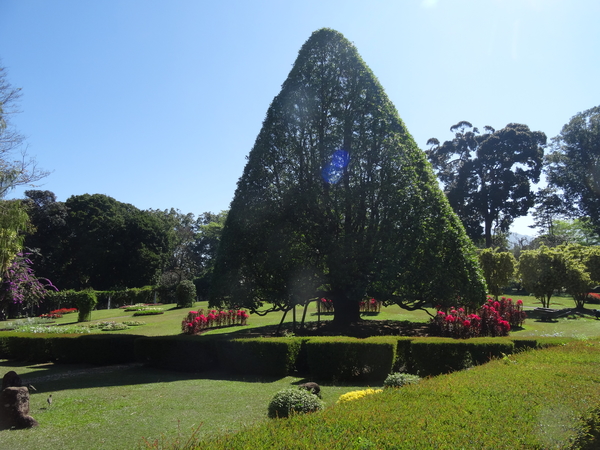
<point x="261" y="356"/>
<point x="98" y="349"/>
<point x="68" y="348"/>
<point x="185" y="353"/>
<point x="342" y="358"/>
<point x="320" y="358"/>
<point x="434" y="356"/>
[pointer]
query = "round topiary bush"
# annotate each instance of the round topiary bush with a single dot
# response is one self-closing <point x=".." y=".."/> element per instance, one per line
<point x="294" y="401"/>
<point x="186" y="294"/>
<point x="396" y="380"/>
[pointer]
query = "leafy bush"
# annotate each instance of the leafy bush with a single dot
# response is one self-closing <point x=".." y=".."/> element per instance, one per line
<point x="397" y="379"/>
<point x="85" y="301"/>
<point x="186" y="294"/>
<point x="294" y="401"/>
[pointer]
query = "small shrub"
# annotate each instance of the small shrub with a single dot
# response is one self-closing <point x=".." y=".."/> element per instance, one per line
<point x="396" y="380"/>
<point x="186" y="294"/>
<point x="85" y="301"/>
<point x="134" y="323"/>
<point x="294" y="401"/>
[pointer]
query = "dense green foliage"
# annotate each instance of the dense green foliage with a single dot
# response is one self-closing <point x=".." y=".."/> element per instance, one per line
<point x="487" y="175"/>
<point x="541" y="272"/>
<point x="85" y="301"/>
<point x="291" y="401"/>
<point x="95" y="241"/>
<point x="574" y="268"/>
<point x="186" y="294"/>
<point x="379" y="227"/>
<point x="498" y="269"/>
<point x="574" y="162"/>
<point x="13" y="223"/>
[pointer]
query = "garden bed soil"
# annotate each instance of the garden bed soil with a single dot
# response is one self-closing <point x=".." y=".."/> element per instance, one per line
<point x="362" y="329"/>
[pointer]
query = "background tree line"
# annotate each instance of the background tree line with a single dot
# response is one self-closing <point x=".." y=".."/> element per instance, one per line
<point x="95" y="241"/>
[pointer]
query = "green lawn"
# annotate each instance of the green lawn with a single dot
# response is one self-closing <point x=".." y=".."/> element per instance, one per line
<point x="117" y="409"/>
<point x="169" y="323"/>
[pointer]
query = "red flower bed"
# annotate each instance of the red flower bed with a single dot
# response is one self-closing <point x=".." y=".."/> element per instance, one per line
<point x="494" y="318"/>
<point x="197" y="322"/>
<point x="58" y="313"/>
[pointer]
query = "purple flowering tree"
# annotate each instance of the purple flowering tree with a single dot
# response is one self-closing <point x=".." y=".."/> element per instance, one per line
<point x="20" y="288"/>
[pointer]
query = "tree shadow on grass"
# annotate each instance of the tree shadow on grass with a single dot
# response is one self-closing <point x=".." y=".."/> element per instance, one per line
<point x="57" y="377"/>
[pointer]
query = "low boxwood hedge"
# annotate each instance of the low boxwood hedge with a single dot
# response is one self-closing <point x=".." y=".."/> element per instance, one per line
<point x="260" y="356"/>
<point x="342" y="358"/>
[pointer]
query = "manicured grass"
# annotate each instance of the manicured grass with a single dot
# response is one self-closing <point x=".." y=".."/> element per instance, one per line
<point x="539" y="399"/>
<point x="116" y="410"/>
<point x="169" y="323"/>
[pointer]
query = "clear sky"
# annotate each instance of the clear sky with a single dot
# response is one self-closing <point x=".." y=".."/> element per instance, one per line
<point x="157" y="103"/>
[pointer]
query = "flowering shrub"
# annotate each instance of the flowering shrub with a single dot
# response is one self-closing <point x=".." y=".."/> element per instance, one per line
<point x="494" y="318"/>
<point x="355" y="395"/>
<point x="293" y="401"/>
<point x="20" y="286"/>
<point x="196" y="321"/>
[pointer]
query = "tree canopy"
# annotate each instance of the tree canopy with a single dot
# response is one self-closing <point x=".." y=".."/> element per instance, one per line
<point x="574" y="164"/>
<point x="23" y="170"/>
<point x="96" y="241"/>
<point x="487" y="176"/>
<point x="337" y="201"/>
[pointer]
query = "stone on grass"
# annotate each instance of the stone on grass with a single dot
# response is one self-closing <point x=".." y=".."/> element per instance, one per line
<point x="14" y="409"/>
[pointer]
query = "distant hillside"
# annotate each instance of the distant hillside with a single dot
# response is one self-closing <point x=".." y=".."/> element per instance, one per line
<point x="516" y="238"/>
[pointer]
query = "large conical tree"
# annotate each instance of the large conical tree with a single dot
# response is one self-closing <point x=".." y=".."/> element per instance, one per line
<point x="337" y="201"/>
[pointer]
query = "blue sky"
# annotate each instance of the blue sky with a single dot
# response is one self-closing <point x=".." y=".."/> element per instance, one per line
<point x="157" y="103"/>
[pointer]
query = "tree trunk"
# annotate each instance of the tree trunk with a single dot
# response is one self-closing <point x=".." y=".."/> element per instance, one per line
<point x="346" y="312"/>
<point x="488" y="232"/>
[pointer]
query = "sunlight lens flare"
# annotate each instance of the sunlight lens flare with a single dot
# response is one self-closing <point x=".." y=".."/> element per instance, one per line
<point x="332" y="172"/>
